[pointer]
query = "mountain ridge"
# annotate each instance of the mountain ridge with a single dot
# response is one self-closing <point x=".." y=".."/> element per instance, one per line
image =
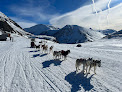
<point x="40" y="28"/>
<point x="76" y="34"/>
<point x="68" y="34"/>
<point x="8" y="25"/>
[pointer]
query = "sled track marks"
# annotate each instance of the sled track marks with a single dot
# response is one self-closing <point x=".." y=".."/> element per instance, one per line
<point x="47" y="79"/>
<point x="5" y="57"/>
<point x="41" y="73"/>
<point x="55" y="78"/>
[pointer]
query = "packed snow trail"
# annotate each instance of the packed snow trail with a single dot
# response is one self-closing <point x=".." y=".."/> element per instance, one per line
<point x="25" y="69"/>
<point x="18" y="72"/>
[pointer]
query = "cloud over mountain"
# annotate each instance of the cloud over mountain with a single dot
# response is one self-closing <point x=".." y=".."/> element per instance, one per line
<point x="97" y="16"/>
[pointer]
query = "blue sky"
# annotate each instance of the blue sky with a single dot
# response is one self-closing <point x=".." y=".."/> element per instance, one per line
<point x="38" y="11"/>
<point x="31" y="12"/>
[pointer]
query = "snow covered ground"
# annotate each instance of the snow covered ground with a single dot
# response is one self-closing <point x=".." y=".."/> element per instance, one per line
<point x="25" y="69"/>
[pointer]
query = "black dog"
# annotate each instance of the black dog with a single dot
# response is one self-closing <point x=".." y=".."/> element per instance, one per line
<point x="65" y="53"/>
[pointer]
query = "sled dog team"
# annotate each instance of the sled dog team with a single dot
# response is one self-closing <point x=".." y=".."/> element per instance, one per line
<point x="44" y="47"/>
<point x="56" y="54"/>
<point x="63" y="54"/>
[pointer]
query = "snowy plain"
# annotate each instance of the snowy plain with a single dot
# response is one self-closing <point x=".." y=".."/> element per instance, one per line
<point x="25" y="69"/>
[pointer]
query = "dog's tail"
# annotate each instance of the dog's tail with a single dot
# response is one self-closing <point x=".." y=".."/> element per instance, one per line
<point x="76" y="64"/>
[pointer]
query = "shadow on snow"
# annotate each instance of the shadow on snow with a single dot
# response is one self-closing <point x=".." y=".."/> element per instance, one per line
<point x="48" y="63"/>
<point x="43" y="55"/>
<point x="36" y="55"/>
<point x="78" y="80"/>
<point x="34" y="51"/>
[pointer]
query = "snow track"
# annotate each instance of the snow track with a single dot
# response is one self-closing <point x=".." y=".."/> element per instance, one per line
<point x="24" y="69"/>
<point x="47" y="79"/>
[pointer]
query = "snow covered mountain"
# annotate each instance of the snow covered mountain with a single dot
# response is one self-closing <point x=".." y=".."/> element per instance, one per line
<point x="76" y="34"/>
<point x="8" y="25"/>
<point x="50" y="32"/>
<point x="107" y="31"/>
<point x="40" y="29"/>
<point x="118" y="33"/>
<point x="115" y="34"/>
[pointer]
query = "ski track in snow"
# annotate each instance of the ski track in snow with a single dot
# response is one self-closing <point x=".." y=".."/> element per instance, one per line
<point x="24" y="69"/>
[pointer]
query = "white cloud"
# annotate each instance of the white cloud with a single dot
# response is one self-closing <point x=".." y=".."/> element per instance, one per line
<point x="86" y="17"/>
<point x="26" y="24"/>
<point x="39" y="11"/>
<point x="23" y="23"/>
